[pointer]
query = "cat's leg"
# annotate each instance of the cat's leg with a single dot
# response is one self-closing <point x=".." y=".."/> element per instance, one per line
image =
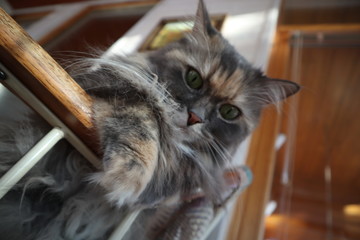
<point x="129" y="137"/>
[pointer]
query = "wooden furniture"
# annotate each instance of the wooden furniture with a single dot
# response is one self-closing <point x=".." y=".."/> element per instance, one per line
<point x="285" y="62"/>
<point x="45" y="78"/>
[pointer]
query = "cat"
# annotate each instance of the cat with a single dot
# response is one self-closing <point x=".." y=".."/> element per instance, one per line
<point x="168" y="122"/>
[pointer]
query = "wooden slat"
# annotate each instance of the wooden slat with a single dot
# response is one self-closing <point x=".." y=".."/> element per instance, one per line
<point x="30" y="16"/>
<point x="248" y="218"/>
<point x="329" y="13"/>
<point x="45" y="78"/>
<point x="321" y="27"/>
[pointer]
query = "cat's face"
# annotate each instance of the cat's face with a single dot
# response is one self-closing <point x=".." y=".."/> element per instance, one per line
<point x="207" y="81"/>
<point x="220" y="92"/>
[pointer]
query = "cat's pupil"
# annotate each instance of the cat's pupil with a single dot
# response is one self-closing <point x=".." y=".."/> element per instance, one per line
<point x="193" y="79"/>
<point x="229" y="112"/>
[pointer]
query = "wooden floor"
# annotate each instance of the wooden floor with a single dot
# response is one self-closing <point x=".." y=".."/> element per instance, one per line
<point x="322" y="198"/>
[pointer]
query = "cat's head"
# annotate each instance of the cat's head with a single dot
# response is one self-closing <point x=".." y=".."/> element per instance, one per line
<point x="221" y="92"/>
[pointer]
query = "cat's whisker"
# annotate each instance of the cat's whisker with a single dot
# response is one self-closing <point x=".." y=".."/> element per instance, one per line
<point x="229" y="167"/>
<point x="219" y="154"/>
<point x="200" y="162"/>
<point x="221" y="150"/>
<point x="213" y="154"/>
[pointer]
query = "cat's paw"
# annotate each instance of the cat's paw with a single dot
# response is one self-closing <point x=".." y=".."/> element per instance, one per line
<point x="124" y="179"/>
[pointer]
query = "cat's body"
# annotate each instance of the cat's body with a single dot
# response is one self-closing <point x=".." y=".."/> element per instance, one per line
<point x="168" y="122"/>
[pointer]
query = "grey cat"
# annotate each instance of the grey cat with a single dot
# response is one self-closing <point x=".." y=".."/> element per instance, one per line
<point x="168" y="122"/>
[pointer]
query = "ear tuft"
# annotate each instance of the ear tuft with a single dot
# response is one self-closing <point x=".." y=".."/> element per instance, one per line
<point x="203" y="21"/>
<point x="278" y="90"/>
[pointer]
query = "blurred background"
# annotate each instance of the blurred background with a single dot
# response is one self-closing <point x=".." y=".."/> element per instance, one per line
<point x="312" y="184"/>
<point x="316" y="186"/>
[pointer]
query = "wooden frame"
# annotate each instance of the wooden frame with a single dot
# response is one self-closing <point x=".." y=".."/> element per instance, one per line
<point x="321" y="27"/>
<point x="261" y="156"/>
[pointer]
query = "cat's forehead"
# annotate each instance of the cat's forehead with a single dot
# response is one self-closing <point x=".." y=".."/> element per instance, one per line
<point x="225" y="84"/>
<point x="217" y="62"/>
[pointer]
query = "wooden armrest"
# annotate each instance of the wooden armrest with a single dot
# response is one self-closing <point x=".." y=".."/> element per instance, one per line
<point x="44" y="77"/>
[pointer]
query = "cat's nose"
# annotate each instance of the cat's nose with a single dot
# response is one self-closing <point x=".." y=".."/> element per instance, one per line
<point x="193" y="119"/>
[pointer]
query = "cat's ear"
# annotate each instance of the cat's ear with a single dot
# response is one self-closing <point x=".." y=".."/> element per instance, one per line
<point x="202" y="21"/>
<point x="277" y="90"/>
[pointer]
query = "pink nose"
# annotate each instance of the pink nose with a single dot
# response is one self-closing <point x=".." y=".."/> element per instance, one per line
<point x="193" y="119"/>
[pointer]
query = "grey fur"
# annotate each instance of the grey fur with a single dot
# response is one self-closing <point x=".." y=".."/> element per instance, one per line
<point x="150" y="152"/>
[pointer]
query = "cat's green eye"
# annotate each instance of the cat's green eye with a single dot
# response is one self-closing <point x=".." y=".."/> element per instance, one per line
<point x="229" y="112"/>
<point x="193" y="79"/>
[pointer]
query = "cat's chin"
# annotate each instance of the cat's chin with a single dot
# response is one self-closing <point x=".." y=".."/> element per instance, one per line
<point x="192" y="133"/>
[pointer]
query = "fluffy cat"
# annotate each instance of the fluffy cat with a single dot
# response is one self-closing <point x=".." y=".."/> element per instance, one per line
<point x="168" y="122"/>
<point x="170" y="118"/>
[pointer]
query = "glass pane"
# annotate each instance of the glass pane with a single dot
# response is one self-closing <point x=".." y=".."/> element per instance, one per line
<point x="172" y="30"/>
<point x="316" y="186"/>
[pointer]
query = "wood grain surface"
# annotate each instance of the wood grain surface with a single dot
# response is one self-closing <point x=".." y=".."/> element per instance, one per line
<point x="43" y="76"/>
<point x="326" y="167"/>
